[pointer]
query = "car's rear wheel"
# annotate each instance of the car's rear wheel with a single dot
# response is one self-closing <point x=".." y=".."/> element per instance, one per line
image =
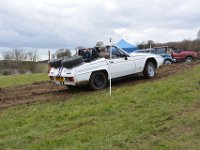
<point x="149" y="69"/>
<point x="98" y="80"/>
<point x="189" y="59"/>
<point x="70" y="87"/>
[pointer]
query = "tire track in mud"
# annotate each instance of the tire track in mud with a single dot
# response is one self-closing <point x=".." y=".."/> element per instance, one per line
<point x="36" y="92"/>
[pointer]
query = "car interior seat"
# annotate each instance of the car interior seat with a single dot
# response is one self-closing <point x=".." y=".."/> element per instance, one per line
<point x="81" y="53"/>
<point x="94" y="53"/>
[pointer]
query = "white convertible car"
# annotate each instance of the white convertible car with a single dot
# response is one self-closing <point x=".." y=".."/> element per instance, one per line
<point x="95" y="71"/>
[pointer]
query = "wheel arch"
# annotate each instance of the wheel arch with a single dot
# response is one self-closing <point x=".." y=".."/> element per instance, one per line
<point x="153" y="60"/>
<point x="189" y="56"/>
<point x="101" y="70"/>
<point x="98" y="79"/>
<point x="168" y="59"/>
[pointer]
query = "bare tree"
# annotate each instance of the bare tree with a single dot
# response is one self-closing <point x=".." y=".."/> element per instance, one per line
<point x="53" y="56"/>
<point x="21" y="55"/>
<point x="184" y="45"/>
<point x="63" y="53"/>
<point x="30" y="55"/>
<point x="146" y="44"/>
<point x="8" y="55"/>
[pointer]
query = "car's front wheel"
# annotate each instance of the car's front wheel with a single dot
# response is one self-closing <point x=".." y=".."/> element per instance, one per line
<point x="98" y="80"/>
<point x="149" y="70"/>
<point x="167" y="62"/>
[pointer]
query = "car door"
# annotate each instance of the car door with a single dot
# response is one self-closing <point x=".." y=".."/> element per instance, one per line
<point x="121" y="63"/>
<point x="176" y="54"/>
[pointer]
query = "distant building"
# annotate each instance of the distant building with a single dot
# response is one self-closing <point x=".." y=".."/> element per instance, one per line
<point x="198" y="35"/>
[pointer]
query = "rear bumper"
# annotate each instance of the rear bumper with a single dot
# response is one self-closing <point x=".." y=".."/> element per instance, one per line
<point x="63" y="80"/>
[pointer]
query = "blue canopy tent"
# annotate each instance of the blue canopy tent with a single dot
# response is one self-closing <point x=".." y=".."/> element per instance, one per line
<point x="126" y="46"/>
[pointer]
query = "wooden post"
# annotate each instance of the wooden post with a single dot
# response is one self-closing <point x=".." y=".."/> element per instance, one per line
<point x="49" y="55"/>
<point x="49" y="58"/>
<point x="110" y="74"/>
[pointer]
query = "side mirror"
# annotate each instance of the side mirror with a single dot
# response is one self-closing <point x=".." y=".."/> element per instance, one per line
<point x="125" y="56"/>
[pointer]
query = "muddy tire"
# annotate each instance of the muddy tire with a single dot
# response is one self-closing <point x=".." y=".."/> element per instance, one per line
<point x="55" y="63"/>
<point x="71" y="87"/>
<point x="71" y="62"/>
<point x="189" y="59"/>
<point x="98" y="81"/>
<point x="149" y="70"/>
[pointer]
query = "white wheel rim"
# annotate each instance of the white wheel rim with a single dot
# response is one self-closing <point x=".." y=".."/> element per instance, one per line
<point x="151" y="70"/>
<point x="188" y="60"/>
<point x="168" y="63"/>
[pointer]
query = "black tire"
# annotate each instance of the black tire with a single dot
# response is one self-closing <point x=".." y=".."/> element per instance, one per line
<point x="71" y="62"/>
<point x="189" y="59"/>
<point x="55" y="63"/>
<point x="167" y="62"/>
<point x="98" y="81"/>
<point x="149" y="70"/>
<point x="71" y="87"/>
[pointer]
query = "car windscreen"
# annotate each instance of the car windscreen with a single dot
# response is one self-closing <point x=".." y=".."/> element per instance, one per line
<point x="118" y="52"/>
<point x="161" y="50"/>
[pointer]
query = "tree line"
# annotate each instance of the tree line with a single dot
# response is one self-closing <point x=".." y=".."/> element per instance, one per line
<point x="185" y="45"/>
<point x="182" y="45"/>
<point x="32" y="55"/>
<point x="61" y="53"/>
<point x="21" y="55"/>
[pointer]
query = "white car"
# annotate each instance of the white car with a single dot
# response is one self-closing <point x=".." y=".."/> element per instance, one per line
<point x="96" y="71"/>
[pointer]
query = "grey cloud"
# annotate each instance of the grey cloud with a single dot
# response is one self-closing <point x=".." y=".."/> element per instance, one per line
<point x="64" y="23"/>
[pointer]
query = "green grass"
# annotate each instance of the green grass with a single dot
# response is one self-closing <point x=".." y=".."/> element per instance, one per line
<point x="42" y="68"/>
<point x="162" y="114"/>
<point x="14" y="80"/>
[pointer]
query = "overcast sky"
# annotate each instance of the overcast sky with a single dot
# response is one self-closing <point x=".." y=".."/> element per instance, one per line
<point x="51" y="24"/>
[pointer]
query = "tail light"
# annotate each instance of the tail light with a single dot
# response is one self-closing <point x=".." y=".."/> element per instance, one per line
<point x="70" y="79"/>
<point x="51" y="77"/>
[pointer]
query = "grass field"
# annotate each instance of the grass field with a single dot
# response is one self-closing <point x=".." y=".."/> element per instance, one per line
<point x="14" y="80"/>
<point x="163" y="114"/>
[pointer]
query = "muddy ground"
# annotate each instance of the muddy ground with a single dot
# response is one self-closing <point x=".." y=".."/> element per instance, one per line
<point x="47" y="91"/>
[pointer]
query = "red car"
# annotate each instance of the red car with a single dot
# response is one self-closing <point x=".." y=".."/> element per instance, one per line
<point x="186" y="56"/>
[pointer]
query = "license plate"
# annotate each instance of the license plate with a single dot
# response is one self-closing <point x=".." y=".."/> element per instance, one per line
<point x="60" y="79"/>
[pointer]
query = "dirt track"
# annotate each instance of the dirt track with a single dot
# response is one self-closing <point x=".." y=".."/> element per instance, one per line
<point x="47" y="91"/>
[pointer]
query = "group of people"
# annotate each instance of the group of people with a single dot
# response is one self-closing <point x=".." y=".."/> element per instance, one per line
<point x="92" y="53"/>
<point x="169" y="50"/>
<point x="104" y="52"/>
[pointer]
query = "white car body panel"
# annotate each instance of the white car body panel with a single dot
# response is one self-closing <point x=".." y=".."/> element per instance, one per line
<point x="119" y="67"/>
<point x="83" y="72"/>
<point x="140" y="63"/>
